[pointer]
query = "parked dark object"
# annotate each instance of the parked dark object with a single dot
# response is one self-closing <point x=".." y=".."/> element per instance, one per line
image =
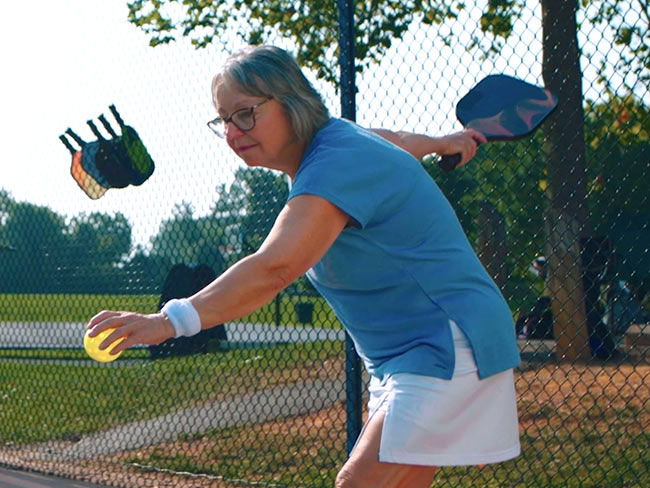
<point x="304" y="312"/>
<point x="181" y="282"/>
<point x="623" y="307"/>
<point x="612" y="305"/>
<point x="538" y="322"/>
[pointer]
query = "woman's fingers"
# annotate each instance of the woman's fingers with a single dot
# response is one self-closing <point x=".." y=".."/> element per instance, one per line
<point x="108" y="320"/>
<point x="100" y="317"/>
<point x="113" y="337"/>
<point x="132" y="328"/>
<point x="464" y="143"/>
<point x="476" y="135"/>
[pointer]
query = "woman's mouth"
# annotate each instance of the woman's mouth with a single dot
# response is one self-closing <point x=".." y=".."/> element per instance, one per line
<point x="244" y="148"/>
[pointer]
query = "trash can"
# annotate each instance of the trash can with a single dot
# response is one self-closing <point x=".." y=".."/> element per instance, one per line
<point x="304" y="312"/>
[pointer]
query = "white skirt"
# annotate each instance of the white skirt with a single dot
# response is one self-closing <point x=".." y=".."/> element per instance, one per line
<point x="434" y="422"/>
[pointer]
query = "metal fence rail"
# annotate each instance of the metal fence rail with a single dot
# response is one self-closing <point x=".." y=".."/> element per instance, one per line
<point x="560" y="219"/>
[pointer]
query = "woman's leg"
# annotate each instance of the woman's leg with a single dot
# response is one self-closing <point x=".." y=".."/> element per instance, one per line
<point x="363" y="469"/>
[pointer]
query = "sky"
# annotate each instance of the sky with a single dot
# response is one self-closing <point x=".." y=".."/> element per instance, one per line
<point x="67" y="61"/>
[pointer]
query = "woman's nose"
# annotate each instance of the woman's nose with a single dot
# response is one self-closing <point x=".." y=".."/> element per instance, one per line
<point x="231" y="130"/>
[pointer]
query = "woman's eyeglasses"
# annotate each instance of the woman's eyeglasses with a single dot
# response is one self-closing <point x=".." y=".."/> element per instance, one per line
<point x="243" y="119"/>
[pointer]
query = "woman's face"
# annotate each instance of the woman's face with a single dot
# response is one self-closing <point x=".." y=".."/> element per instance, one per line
<point x="271" y="142"/>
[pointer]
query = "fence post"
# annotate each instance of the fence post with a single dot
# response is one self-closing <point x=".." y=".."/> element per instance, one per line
<point x="348" y="111"/>
<point x="346" y="59"/>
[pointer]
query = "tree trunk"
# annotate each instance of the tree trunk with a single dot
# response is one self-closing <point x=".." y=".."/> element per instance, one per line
<point x="566" y="219"/>
<point x="491" y="242"/>
<point x="565" y="287"/>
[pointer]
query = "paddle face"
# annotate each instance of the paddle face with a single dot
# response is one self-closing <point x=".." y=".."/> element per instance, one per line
<point x="502" y="108"/>
<point x="85" y="180"/>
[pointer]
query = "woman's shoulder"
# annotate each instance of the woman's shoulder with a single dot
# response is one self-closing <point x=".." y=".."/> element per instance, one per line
<point x="339" y="127"/>
<point x="341" y="135"/>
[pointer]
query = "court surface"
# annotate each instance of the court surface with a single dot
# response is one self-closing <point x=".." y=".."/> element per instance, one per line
<point x="24" y="479"/>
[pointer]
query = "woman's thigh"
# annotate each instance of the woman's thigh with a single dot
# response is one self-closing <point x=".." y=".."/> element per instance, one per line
<point x="363" y="468"/>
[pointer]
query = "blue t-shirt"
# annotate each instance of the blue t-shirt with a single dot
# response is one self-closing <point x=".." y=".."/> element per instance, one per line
<point x="398" y="277"/>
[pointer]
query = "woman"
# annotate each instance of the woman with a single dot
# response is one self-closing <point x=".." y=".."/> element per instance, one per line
<point x="382" y="245"/>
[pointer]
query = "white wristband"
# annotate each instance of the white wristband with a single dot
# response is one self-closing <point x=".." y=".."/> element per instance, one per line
<point x="183" y="316"/>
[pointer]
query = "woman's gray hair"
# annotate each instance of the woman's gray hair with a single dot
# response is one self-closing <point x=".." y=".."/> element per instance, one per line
<point x="269" y="71"/>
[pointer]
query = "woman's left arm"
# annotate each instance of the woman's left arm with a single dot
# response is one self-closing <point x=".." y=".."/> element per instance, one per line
<point x="419" y="145"/>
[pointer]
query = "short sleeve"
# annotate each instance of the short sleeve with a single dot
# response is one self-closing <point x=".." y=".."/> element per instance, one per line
<point x="355" y="170"/>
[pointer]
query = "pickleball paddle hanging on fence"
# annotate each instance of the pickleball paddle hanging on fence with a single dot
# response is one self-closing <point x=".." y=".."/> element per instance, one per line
<point x="116" y="161"/>
<point x="502" y="108"/>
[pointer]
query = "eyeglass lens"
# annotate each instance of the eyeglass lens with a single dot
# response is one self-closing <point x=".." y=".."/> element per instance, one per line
<point x="243" y="119"/>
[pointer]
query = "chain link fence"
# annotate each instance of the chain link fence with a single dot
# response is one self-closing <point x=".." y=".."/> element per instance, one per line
<point x="560" y="219"/>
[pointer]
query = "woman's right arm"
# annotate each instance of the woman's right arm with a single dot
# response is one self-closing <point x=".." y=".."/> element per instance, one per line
<point x="420" y="145"/>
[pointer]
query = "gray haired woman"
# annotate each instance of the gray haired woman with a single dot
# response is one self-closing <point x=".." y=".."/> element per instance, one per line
<point x="382" y="245"/>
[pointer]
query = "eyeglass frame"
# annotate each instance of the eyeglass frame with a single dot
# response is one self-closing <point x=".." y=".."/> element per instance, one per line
<point x="218" y="124"/>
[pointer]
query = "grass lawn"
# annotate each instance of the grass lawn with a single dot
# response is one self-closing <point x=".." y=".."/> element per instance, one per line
<point x="54" y="398"/>
<point x="79" y="308"/>
<point x="67" y="307"/>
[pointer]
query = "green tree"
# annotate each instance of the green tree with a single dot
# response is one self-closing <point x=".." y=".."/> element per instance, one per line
<point x="97" y="245"/>
<point x="50" y="255"/>
<point x="248" y="209"/>
<point x="179" y="236"/>
<point x="7" y="257"/>
<point x="618" y="150"/>
<point x="240" y="219"/>
<point x="38" y="235"/>
<point x="567" y="222"/>
<point x="631" y="35"/>
<point x="266" y="194"/>
<point x="144" y="273"/>
<point x="100" y="238"/>
<point x="189" y="240"/>
<point x="309" y="24"/>
<point x="6" y="204"/>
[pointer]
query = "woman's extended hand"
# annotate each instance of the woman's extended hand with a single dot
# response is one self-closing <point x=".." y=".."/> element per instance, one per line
<point x="134" y="327"/>
<point x="464" y="143"/>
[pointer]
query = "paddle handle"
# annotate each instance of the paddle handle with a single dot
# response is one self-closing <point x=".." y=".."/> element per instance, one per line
<point x="449" y="162"/>
<point x="119" y="120"/>
<point x="107" y="126"/>
<point x="67" y="144"/>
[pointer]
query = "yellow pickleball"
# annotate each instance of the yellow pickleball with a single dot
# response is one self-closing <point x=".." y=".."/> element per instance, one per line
<point x="91" y="345"/>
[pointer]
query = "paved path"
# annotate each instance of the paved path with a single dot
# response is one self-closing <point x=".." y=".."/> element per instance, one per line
<point x="25" y="479"/>
<point x="252" y="408"/>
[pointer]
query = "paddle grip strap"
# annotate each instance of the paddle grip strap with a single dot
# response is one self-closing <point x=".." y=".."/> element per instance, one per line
<point x="183" y="316"/>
